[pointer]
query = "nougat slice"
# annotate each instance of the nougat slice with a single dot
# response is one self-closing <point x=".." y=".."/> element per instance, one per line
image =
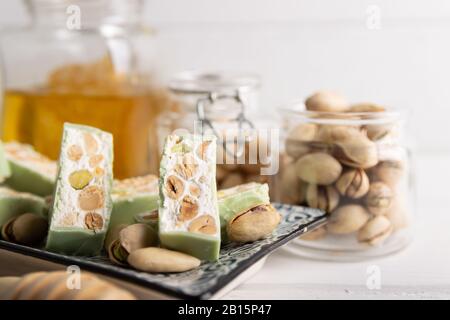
<point x="14" y="203"/>
<point x="133" y="196"/>
<point x="188" y="212"/>
<point x="30" y="171"/>
<point x="82" y="201"/>
<point x="246" y="214"/>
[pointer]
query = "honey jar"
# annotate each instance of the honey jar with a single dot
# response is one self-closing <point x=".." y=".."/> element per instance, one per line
<point x="95" y="72"/>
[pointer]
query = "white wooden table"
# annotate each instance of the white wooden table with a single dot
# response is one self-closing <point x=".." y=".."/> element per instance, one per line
<point x="420" y="271"/>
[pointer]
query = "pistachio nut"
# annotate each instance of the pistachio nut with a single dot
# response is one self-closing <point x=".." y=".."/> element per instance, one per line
<point x="315" y="234"/>
<point x="389" y="172"/>
<point x="292" y="189"/>
<point x="366" y="107"/>
<point x="347" y="219"/>
<point x="375" y="231"/>
<point x="356" y="150"/>
<point x="379" y="198"/>
<point x="27" y="229"/>
<point x="397" y="214"/>
<point x="129" y="239"/>
<point x="253" y="224"/>
<point x="318" y="168"/>
<point x="326" y="101"/>
<point x="353" y="183"/>
<point x="322" y="197"/>
<point x="327" y="133"/>
<point x="161" y="260"/>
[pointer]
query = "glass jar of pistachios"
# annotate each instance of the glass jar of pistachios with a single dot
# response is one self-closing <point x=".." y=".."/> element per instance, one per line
<point x="351" y="160"/>
<point x="225" y="105"/>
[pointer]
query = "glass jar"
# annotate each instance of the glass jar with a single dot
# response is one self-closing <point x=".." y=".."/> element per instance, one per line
<point x="87" y="62"/>
<point x="355" y="165"/>
<point x="225" y="105"/>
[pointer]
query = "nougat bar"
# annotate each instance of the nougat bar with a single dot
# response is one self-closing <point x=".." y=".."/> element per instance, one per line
<point x="82" y="201"/>
<point x="188" y="212"/>
<point x="14" y="203"/>
<point x="133" y="196"/>
<point x="5" y="169"/>
<point x="30" y="171"/>
<point x="239" y="199"/>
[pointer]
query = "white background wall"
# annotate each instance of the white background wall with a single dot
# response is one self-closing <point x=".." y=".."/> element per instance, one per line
<point x="300" y="46"/>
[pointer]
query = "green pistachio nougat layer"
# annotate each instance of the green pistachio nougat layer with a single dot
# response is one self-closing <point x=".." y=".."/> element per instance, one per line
<point x="82" y="200"/>
<point x="30" y="171"/>
<point x="239" y="199"/>
<point x="188" y="213"/>
<point x="14" y="203"/>
<point x="131" y="197"/>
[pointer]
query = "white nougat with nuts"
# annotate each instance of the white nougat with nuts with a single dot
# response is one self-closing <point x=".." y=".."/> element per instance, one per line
<point x="188" y="213"/>
<point x="82" y="202"/>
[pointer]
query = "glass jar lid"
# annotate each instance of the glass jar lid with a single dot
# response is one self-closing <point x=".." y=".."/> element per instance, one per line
<point x="194" y="82"/>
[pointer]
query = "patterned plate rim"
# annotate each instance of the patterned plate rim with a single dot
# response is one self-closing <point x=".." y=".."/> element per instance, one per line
<point x="104" y="269"/>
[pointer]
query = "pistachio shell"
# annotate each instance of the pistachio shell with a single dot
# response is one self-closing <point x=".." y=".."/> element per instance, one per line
<point x="375" y="231"/>
<point x="398" y="214"/>
<point x="347" y="219"/>
<point x="366" y="107"/>
<point x="336" y="133"/>
<point x="161" y="260"/>
<point x="292" y="189"/>
<point x="113" y="235"/>
<point x="315" y="234"/>
<point x="353" y="183"/>
<point x="28" y="229"/>
<point x="322" y="197"/>
<point x="390" y="172"/>
<point x="254" y="224"/>
<point x="357" y="151"/>
<point x="377" y="131"/>
<point x="326" y="101"/>
<point x="318" y="168"/>
<point x="303" y="132"/>
<point x="137" y="236"/>
<point x="297" y="149"/>
<point x="379" y="198"/>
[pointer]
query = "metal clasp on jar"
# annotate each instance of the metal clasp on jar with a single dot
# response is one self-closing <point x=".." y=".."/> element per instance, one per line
<point x="240" y="119"/>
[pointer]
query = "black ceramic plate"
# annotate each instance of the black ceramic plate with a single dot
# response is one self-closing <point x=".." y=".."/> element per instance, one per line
<point x="205" y="281"/>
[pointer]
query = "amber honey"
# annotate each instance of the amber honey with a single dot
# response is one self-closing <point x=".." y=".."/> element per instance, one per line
<point x="37" y="118"/>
